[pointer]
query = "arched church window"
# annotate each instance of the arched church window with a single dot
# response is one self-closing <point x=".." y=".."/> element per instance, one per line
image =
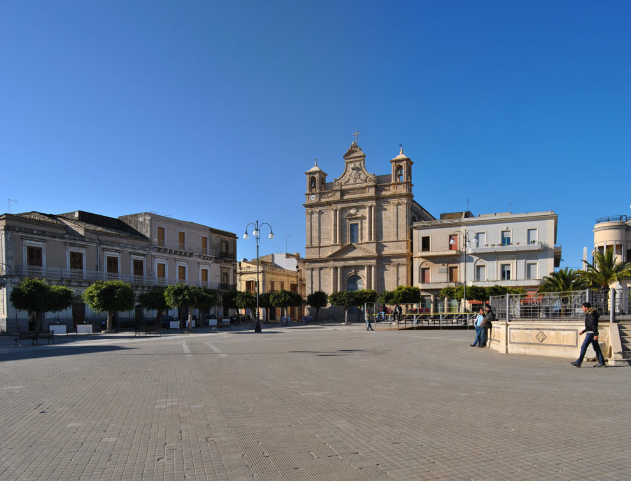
<point x="399" y="173"/>
<point x="312" y="184"/>
<point x="354" y="283"/>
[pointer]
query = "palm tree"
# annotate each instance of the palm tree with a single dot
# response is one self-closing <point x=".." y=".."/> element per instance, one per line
<point x="604" y="271"/>
<point x="562" y="281"/>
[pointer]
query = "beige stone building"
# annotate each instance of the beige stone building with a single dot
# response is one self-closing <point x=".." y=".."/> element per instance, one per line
<point x="78" y="248"/>
<point x="614" y="233"/>
<point x="276" y="272"/>
<point x="359" y="226"/>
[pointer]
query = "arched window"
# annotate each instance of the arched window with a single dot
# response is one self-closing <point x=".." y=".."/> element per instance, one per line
<point x="312" y="184"/>
<point x="399" y="173"/>
<point x="354" y="283"/>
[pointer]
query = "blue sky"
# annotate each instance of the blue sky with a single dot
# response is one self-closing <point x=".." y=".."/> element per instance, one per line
<point x="212" y="111"/>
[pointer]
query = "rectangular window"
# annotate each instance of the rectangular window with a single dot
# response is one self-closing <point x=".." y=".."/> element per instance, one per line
<point x="204" y="276"/>
<point x="293" y="287"/>
<point x="161" y="236"/>
<point x="531" y="270"/>
<point x="224" y="247"/>
<point x="34" y="256"/>
<point x="480" y="238"/>
<point x="112" y="265"/>
<point x="480" y="273"/>
<point x="250" y="286"/>
<point x="425" y="243"/>
<point x="181" y="273"/>
<point x="505" y="272"/>
<point x="425" y="275"/>
<point x="76" y="261"/>
<point x="224" y="277"/>
<point x="532" y="236"/>
<point x="453" y="274"/>
<point x="628" y="255"/>
<point x="162" y="271"/>
<point x="453" y="242"/>
<point x="506" y="238"/>
<point x="181" y="239"/>
<point x="205" y="245"/>
<point x="354" y="233"/>
<point x="282" y="285"/>
<point x="271" y="286"/>
<point x="139" y="267"/>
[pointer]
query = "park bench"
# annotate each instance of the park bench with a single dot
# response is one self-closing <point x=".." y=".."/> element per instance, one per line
<point x="150" y="329"/>
<point x="34" y="336"/>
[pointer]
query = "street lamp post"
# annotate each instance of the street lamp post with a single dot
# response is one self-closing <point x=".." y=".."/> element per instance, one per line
<point x="465" y="241"/>
<point x="257" y="235"/>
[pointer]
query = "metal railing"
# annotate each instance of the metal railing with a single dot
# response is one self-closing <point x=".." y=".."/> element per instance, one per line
<point x="613" y="218"/>
<point x="93" y="276"/>
<point x="429" y="319"/>
<point x="560" y="306"/>
<point x="194" y="248"/>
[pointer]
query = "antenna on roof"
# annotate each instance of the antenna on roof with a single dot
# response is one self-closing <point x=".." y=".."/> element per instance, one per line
<point x="9" y="204"/>
<point x="467" y="204"/>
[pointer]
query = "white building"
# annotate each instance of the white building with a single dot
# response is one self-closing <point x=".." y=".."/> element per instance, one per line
<point x="614" y="233"/>
<point x="513" y="250"/>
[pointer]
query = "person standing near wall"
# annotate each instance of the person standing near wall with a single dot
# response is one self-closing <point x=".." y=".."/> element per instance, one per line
<point x="591" y="336"/>
<point x="487" y="323"/>
<point x="478" y="329"/>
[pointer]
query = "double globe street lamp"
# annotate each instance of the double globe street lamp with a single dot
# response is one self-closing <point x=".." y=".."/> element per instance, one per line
<point x="257" y="235"/>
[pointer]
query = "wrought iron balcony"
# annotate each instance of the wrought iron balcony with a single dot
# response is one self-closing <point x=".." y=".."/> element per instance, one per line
<point x="89" y="276"/>
<point x="615" y="218"/>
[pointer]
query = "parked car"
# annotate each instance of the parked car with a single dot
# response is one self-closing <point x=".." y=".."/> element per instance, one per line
<point x="166" y="321"/>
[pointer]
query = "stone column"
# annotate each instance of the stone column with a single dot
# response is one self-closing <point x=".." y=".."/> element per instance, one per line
<point x="333" y="278"/>
<point x="333" y="225"/>
<point x="338" y="226"/>
<point x="339" y="279"/>
<point x="374" y="226"/>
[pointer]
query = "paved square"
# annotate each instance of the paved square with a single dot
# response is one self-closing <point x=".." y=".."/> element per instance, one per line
<point x="306" y="402"/>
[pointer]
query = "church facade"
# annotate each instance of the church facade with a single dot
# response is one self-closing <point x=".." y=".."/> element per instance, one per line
<point x="359" y="226"/>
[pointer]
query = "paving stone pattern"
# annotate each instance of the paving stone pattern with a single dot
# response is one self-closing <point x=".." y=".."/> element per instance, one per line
<point x="306" y="403"/>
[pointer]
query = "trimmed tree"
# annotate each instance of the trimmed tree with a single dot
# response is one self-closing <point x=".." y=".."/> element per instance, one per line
<point x="317" y="300"/>
<point x="111" y="297"/>
<point x="189" y="297"/>
<point x="406" y="295"/>
<point x="228" y="301"/>
<point x="246" y="300"/>
<point x="265" y="303"/>
<point x="341" y="299"/>
<point x="362" y="297"/>
<point x="38" y="297"/>
<point x="285" y="299"/>
<point x="154" y="299"/>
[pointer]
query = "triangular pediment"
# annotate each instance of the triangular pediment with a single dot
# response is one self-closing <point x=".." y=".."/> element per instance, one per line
<point x="350" y="251"/>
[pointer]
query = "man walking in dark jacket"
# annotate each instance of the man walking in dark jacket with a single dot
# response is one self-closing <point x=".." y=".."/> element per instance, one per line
<point x="591" y="336"/>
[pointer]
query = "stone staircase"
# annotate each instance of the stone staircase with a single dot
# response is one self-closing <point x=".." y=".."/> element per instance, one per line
<point x="621" y="355"/>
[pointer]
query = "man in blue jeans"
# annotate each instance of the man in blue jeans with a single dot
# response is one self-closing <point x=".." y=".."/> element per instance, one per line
<point x="591" y="336"/>
<point x="478" y="329"/>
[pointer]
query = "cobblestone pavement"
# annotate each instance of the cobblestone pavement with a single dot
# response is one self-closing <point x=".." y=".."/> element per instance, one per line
<point x="307" y="402"/>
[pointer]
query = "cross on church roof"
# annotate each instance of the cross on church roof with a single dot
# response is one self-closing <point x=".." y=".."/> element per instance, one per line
<point x="356" y="134"/>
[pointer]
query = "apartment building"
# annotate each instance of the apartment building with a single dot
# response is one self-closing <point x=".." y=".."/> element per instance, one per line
<point x="78" y="248"/>
<point x="187" y="252"/>
<point x="514" y="250"/>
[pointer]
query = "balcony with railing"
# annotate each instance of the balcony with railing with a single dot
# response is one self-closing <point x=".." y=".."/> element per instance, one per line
<point x="613" y="218"/>
<point x="182" y="248"/>
<point x="89" y="276"/>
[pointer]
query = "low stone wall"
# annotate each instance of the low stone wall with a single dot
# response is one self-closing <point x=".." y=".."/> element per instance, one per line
<point x="546" y="338"/>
